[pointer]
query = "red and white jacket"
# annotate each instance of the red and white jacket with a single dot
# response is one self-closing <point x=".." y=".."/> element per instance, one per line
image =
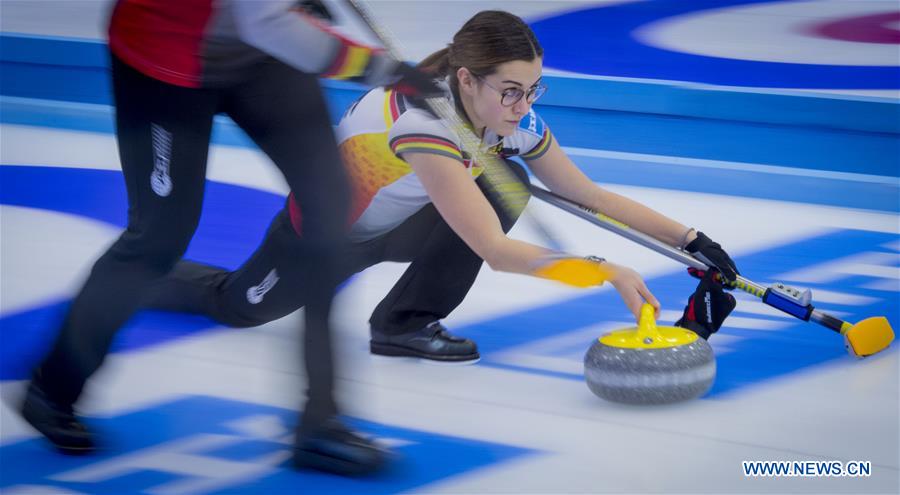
<point x="204" y="43"/>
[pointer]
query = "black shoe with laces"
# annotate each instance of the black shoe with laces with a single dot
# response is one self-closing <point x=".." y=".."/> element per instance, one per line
<point x="56" y="422"/>
<point x="432" y="343"/>
<point x="334" y="448"/>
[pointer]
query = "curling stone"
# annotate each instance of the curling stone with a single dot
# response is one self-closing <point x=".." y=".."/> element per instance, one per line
<point x="649" y="364"/>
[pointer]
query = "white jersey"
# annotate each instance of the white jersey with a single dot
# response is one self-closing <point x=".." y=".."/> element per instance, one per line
<point x="380" y="127"/>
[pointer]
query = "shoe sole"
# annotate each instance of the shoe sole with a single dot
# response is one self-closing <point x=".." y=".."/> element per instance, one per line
<point x="399" y="351"/>
<point x="425" y="361"/>
<point x="73" y="451"/>
<point x="336" y="465"/>
<point x="62" y="448"/>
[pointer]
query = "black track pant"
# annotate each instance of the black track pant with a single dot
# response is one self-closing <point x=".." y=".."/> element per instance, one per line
<point x="270" y="284"/>
<point x="163" y="133"/>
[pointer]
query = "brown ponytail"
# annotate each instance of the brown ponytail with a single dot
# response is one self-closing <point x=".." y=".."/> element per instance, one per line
<point x="438" y="63"/>
<point x="488" y="39"/>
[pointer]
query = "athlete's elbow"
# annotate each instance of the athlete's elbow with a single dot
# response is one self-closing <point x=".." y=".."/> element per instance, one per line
<point x="494" y="254"/>
<point x="494" y="263"/>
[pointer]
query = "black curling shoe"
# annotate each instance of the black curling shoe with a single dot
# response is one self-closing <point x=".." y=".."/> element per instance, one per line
<point x="433" y="343"/>
<point x="334" y="448"/>
<point x="56" y="422"/>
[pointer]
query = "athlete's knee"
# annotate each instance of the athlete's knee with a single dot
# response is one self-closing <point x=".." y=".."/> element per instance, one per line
<point x="234" y="320"/>
<point x="241" y="306"/>
<point x="236" y="314"/>
<point x="240" y="316"/>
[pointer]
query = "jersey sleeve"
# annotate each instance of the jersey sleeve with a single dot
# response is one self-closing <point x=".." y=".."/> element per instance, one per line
<point x="417" y="131"/>
<point x="299" y="39"/>
<point x="533" y="135"/>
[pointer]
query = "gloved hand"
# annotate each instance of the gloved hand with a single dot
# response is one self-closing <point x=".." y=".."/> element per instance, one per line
<point x="382" y="70"/>
<point x="316" y="8"/>
<point x="710" y="252"/>
<point x="707" y="307"/>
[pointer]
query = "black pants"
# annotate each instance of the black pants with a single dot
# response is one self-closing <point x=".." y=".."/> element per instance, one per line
<point x="270" y="284"/>
<point x="163" y="133"/>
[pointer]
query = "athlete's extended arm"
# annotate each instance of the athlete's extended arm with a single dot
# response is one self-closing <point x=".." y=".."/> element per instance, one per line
<point x="563" y="177"/>
<point x="556" y="170"/>
<point x="307" y="43"/>
<point x="465" y="208"/>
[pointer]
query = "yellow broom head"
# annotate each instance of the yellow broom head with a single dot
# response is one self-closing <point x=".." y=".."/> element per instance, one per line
<point x="869" y="336"/>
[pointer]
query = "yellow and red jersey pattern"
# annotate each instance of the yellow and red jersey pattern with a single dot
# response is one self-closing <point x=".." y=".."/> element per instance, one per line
<point x="379" y="128"/>
<point x="425" y="143"/>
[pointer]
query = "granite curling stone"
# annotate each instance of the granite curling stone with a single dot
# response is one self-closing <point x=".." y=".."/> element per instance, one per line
<point x="649" y="364"/>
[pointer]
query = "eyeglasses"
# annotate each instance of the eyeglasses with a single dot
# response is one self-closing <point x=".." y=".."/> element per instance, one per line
<point x="511" y="96"/>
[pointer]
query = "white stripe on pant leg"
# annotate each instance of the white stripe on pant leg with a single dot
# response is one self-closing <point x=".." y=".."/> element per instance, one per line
<point x="256" y="293"/>
<point x="160" y="180"/>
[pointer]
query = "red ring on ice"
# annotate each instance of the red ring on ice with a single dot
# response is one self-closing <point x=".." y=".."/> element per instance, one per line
<point x="871" y="28"/>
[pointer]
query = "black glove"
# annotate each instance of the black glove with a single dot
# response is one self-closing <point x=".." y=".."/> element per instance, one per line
<point x="699" y="274"/>
<point x="403" y="78"/>
<point x="710" y="252"/>
<point x="315" y="8"/>
<point x="707" y="307"/>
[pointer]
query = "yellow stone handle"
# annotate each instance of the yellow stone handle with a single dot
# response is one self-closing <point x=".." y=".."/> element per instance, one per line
<point x="648" y="335"/>
<point x="647" y="324"/>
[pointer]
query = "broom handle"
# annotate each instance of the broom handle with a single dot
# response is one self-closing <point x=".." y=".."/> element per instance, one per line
<point x="617" y="227"/>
